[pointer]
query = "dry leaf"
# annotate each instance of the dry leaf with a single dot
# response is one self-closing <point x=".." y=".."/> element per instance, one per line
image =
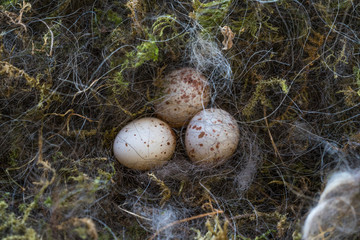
<point x="228" y="37"/>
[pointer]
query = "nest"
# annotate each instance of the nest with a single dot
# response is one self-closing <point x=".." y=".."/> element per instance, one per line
<point x="73" y="73"/>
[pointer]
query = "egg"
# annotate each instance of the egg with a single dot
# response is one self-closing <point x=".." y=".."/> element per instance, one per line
<point x="186" y="92"/>
<point x="212" y="137"/>
<point x="144" y="144"/>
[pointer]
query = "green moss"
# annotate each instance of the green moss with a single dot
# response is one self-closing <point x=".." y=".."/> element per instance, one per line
<point x="215" y="230"/>
<point x="210" y="15"/>
<point x="14" y="155"/>
<point x="135" y="231"/>
<point x="255" y="20"/>
<point x="147" y="51"/>
<point x="114" y="17"/>
<point x="297" y="235"/>
<point x="13" y="228"/>
<point x="81" y="232"/>
<point x="351" y="89"/>
<point x="7" y="3"/>
<point x="260" y="94"/>
<point x="107" y="18"/>
<point x="48" y="202"/>
<point x="162" y="23"/>
<point x="356" y="71"/>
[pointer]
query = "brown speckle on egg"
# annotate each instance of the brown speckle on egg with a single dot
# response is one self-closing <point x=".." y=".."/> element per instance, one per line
<point x="144" y="155"/>
<point x="213" y="148"/>
<point x="187" y="92"/>
<point x="201" y="135"/>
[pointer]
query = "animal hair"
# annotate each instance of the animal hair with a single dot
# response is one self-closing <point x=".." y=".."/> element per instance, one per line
<point x="337" y="214"/>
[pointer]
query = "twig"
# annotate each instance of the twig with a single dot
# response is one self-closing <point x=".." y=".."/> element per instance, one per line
<point x="271" y="138"/>
<point x="134" y="214"/>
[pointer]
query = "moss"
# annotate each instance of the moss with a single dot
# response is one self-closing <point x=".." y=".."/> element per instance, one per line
<point x="215" y="230"/>
<point x="256" y="22"/>
<point x="14" y="155"/>
<point x="108" y="18"/>
<point x="147" y="51"/>
<point x="260" y="96"/>
<point x="8" y="3"/>
<point x="356" y="71"/>
<point x="135" y="231"/>
<point x="114" y="17"/>
<point x="13" y="228"/>
<point x="41" y="83"/>
<point x="351" y="89"/>
<point x="210" y="15"/>
<point x="165" y="190"/>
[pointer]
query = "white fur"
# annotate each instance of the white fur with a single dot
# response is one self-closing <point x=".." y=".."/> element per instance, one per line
<point x="337" y="214"/>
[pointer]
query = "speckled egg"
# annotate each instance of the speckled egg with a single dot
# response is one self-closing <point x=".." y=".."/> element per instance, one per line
<point x="212" y="137"/>
<point x="144" y="144"/>
<point x="186" y="92"/>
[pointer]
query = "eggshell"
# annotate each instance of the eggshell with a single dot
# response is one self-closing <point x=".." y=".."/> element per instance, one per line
<point x="186" y="93"/>
<point x="144" y="144"/>
<point x="212" y="137"/>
